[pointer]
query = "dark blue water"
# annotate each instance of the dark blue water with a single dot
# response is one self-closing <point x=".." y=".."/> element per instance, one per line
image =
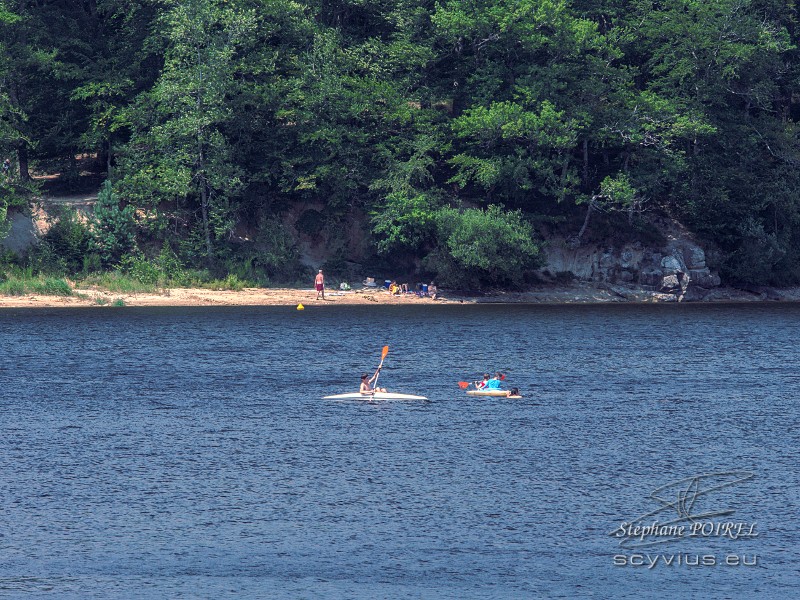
<point x="162" y="453"/>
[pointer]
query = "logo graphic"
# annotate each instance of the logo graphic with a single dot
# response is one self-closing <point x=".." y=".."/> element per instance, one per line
<point x="695" y="514"/>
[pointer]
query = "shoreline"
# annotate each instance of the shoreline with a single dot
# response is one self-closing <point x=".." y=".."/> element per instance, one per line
<point x="577" y="293"/>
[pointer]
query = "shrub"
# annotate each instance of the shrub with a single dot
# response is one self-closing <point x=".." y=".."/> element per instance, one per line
<point x="52" y="286"/>
<point x="231" y="282"/>
<point x="137" y="267"/>
<point x="65" y="247"/>
<point x="92" y="263"/>
<point x="273" y="255"/>
<point x="480" y="248"/>
<point x="118" y="282"/>
<point x="162" y="271"/>
<point x="405" y="222"/>
<point x="13" y="287"/>
<point x="753" y="262"/>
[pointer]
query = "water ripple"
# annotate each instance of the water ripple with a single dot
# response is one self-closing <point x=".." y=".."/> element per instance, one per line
<point x="187" y="452"/>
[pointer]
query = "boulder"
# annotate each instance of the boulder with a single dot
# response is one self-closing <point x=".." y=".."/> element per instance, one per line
<point x="695" y="293"/>
<point x="664" y="298"/>
<point x="670" y="284"/>
<point x="631" y="257"/>
<point x="607" y="260"/>
<point x="581" y="261"/>
<point x="765" y="292"/>
<point x="692" y="255"/>
<point x="672" y="264"/>
<point x="650" y="276"/>
<point x="704" y="278"/>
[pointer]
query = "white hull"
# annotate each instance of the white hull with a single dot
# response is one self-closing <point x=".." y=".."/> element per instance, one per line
<point x="497" y="393"/>
<point x="375" y="396"/>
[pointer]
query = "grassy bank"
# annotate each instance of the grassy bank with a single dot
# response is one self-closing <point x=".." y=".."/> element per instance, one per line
<point x="23" y="285"/>
<point x="113" y="282"/>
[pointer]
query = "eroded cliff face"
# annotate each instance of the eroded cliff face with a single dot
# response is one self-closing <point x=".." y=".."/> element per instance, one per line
<point x="22" y="232"/>
<point x="678" y="268"/>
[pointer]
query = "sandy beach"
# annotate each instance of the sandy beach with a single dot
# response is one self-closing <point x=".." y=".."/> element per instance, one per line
<point x="578" y="293"/>
<point x="206" y="297"/>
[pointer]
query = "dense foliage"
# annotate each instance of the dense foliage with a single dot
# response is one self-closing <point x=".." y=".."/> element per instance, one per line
<point x="447" y="131"/>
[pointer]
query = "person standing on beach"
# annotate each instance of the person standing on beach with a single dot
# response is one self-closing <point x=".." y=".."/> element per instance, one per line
<point x="319" y="284"/>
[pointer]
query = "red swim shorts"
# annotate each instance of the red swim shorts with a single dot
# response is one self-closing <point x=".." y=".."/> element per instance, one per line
<point x="318" y="286"/>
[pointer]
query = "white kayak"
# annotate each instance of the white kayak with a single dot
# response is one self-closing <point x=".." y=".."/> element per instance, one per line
<point x="498" y="393"/>
<point x="375" y="396"/>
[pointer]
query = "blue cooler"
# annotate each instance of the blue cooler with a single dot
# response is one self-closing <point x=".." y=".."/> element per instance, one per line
<point x="425" y="288"/>
<point x="387" y="283"/>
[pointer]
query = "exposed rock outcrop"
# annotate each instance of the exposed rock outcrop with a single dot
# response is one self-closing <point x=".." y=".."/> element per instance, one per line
<point x="677" y="271"/>
<point x="22" y="233"/>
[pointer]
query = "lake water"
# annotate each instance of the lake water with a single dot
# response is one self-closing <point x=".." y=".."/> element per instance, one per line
<point x="186" y="452"/>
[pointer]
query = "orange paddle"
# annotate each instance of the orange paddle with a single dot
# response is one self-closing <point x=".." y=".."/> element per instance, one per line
<point x="384" y="352"/>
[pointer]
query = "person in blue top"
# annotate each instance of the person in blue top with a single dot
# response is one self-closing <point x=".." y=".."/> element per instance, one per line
<point x="493" y="383"/>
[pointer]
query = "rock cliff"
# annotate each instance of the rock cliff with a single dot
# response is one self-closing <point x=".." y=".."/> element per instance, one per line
<point x="677" y="269"/>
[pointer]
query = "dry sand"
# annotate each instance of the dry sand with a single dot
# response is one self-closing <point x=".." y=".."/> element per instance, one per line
<point x="578" y="293"/>
<point x="294" y="297"/>
<point x="204" y="297"/>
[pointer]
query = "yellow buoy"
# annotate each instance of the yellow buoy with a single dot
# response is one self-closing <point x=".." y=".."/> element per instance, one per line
<point x="300" y="307"/>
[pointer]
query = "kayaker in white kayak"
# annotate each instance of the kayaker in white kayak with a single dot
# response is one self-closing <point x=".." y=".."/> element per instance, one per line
<point x="367" y="381"/>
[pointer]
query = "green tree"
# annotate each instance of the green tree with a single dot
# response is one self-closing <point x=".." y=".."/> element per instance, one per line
<point x="726" y="71"/>
<point x="537" y="90"/>
<point x="179" y="148"/>
<point x="113" y="227"/>
<point x="48" y="47"/>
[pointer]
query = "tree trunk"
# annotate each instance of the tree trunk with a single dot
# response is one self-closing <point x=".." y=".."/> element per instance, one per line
<point x="22" y="159"/>
<point x="564" y="171"/>
<point x="586" y="220"/>
<point x="205" y="198"/>
<point x="585" y="161"/>
<point x="108" y="158"/>
<point x="206" y="228"/>
<point x="22" y="146"/>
